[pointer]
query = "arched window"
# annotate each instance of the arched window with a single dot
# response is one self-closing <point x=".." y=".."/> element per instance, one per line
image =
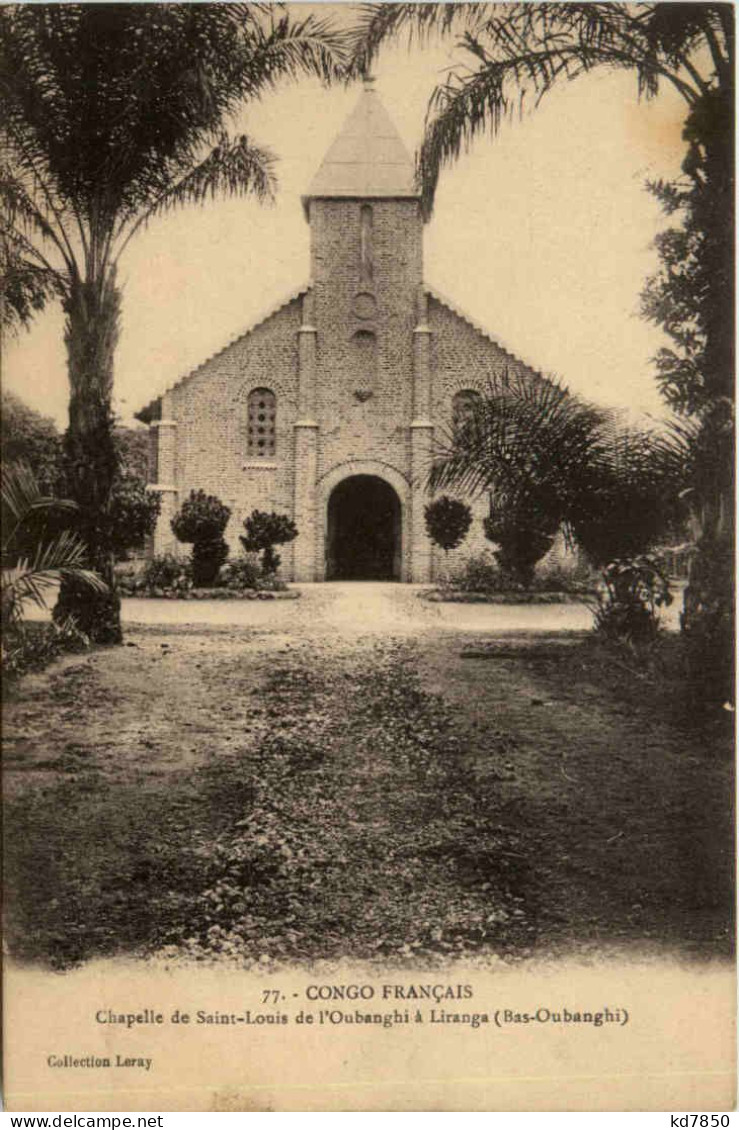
<point x="464" y="403"/>
<point x="261" y="435"/>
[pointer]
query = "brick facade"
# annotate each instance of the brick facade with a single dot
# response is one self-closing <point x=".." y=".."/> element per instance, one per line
<point x="364" y="364"/>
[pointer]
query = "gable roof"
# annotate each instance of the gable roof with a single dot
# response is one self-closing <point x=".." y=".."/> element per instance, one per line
<point x="443" y="300"/>
<point x="367" y="158"/>
<point x="152" y="411"/>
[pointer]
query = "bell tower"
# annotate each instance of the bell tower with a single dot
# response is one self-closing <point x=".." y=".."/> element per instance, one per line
<point x="370" y="394"/>
<point x="364" y="211"/>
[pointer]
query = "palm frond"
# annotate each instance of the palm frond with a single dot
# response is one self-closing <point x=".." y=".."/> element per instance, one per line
<point x="21" y="498"/>
<point x="65" y="556"/>
<point x="233" y="167"/>
<point x="110" y="112"/>
<point x="22" y="495"/>
<point x="26" y="581"/>
<point x="511" y="55"/>
<point x="521" y="438"/>
<point x="25" y="286"/>
<point x="376" y="23"/>
<point x="292" y="48"/>
<point x="20" y="209"/>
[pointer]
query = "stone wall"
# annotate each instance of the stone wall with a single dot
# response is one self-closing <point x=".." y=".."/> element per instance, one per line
<point x="364" y="365"/>
<point x="364" y="409"/>
<point x="210" y="410"/>
<point x="463" y="357"/>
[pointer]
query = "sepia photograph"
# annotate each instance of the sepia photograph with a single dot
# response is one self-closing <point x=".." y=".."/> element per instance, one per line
<point x="368" y="556"/>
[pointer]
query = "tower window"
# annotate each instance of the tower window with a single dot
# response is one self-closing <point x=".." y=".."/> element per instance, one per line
<point x="366" y="255"/>
<point x="464" y="403"/>
<point x="262" y="413"/>
<point x="365" y="358"/>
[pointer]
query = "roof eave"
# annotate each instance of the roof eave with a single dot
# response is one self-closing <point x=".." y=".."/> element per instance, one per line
<point x="305" y="200"/>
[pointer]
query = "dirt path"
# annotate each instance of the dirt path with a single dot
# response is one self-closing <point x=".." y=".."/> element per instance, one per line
<point x="356" y="778"/>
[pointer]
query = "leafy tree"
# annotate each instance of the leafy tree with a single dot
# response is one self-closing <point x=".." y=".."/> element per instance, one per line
<point x="33" y="439"/>
<point x="263" y="532"/>
<point x="133" y="451"/>
<point x="447" y="522"/>
<point x="694" y="373"/>
<point x="670" y="300"/>
<point x="111" y="115"/>
<point x="28" y="437"/>
<point x="692" y="377"/>
<point x="201" y="520"/>
<point x="133" y="513"/>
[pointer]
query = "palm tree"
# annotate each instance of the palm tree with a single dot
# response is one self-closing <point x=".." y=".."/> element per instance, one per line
<point x="29" y="577"/>
<point x="514" y="54"/>
<point x="523" y="443"/>
<point x="111" y="115"/>
<point x="547" y="459"/>
<point x="633" y="494"/>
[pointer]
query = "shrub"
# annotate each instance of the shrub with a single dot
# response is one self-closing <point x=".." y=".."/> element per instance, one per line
<point x="133" y="512"/>
<point x="166" y="572"/>
<point x="627" y="605"/>
<point x="31" y="647"/>
<point x="447" y="522"/>
<point x="100" y="621"/>
<point x="241" y="573"/>
<point x="577" y="576"/>
<point x="263" y="532"/>
<point x="201" y="520"/>
<point x="270" y="583"/>
<point x="128" y="576"/>
<point x="34" y="440"/>
<point x="480" y="574"/>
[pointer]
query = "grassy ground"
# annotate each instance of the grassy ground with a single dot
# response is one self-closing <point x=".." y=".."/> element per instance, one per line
<point x="237" y="793"/>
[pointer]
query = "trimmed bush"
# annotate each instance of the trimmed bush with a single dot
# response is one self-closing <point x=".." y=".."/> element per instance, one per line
<point x="447" y="522"/>
<point x="263" y="532"/>
<point x="201" y="520"/>
<point x="521" y="542"/>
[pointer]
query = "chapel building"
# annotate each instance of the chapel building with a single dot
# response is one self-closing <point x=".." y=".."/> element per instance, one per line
<point x="327" y="408"/>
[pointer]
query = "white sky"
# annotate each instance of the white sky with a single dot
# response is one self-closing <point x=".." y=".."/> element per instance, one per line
<point x="542" y="235"/>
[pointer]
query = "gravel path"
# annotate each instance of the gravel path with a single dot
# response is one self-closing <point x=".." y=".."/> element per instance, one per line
<point x="361" y="607"/>
<point x="357" y="773"/>
<point x="365" y="607"/>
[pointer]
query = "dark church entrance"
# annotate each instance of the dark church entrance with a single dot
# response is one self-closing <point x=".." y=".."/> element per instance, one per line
<point x="363" y="542"/>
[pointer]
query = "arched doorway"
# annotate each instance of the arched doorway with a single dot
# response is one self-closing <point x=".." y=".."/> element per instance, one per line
<point x="364" y="531"/>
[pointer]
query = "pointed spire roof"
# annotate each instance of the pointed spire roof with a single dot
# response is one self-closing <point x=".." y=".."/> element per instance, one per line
<point x="367" y="158"/>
